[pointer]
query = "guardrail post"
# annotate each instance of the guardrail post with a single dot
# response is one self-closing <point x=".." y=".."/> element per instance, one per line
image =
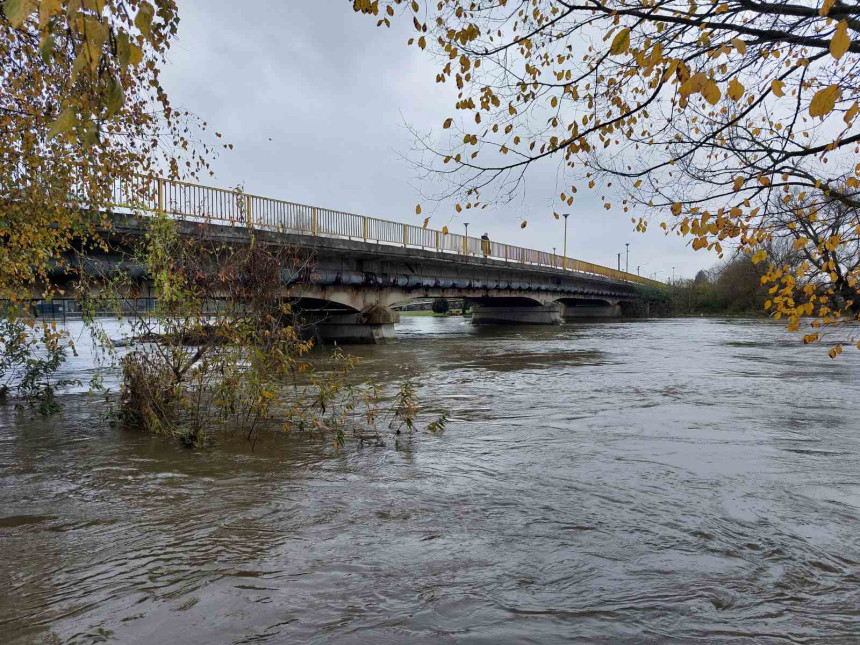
<point x="249" y="216"/>
<point x="160" y="195"/>
<point x="405" y="236"/>
<point x="364" y="226"/>
<point x="437" y="241"/>
<point x="314" y="222"/>
<point x="465" y="245"/>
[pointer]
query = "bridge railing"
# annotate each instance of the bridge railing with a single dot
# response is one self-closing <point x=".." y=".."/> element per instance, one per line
<point x="236" y="208"/>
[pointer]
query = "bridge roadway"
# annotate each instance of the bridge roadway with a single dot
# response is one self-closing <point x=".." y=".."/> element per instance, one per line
<point x="352" y="284"/>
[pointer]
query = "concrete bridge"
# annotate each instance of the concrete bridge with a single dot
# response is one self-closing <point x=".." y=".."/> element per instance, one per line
<point x="361" y="266"/>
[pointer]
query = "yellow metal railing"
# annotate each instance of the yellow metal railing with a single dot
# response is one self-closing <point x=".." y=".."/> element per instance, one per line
<point x="237" y="208"/>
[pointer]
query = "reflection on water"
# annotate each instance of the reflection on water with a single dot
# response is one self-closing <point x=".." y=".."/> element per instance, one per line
<point x="655" y="480"/>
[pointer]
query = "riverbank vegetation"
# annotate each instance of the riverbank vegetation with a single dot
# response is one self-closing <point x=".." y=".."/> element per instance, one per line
<point x="84" y="122"/>
<point x="729" y="124"/>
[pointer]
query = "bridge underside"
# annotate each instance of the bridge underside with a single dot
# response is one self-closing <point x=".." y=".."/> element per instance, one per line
<point x="338" y="313"/>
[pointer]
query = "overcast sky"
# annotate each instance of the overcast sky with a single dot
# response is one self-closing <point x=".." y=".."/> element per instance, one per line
<point x="315" y="99"/>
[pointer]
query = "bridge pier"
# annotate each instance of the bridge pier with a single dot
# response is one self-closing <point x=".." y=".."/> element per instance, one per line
<point x="521" y="315"/>
<point x="373" y="326"/>
<point x="591" y="311"/>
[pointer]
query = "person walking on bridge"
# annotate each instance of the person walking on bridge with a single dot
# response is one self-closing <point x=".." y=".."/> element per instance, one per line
<point x="485" y="244"/>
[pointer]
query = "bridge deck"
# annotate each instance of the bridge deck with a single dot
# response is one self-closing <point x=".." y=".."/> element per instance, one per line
<point x="241" y="210"/>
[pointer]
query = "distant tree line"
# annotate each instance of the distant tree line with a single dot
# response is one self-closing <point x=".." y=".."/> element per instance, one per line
<point x="732" y="287"/>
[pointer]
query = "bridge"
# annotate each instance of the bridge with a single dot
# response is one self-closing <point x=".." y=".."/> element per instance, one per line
<point x="364" y="265"/>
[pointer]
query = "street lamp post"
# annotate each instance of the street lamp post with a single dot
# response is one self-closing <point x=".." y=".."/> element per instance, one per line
<point x="466" y="239"/>
<point x="673" y="275"/>
<point x="627" y="260"/>
<point x="619" y="260"/>
<point x="564" y="258"/>
<point x="553" y="257"/>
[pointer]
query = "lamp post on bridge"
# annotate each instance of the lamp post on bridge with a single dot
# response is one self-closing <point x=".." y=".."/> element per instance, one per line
<point x="564" y="256"/>
<point x="553" y="257"/>
<point x="627" y="260"/>
<point x="466" y="241"/>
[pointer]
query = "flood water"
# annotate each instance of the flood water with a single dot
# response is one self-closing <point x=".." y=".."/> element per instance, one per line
<point x="650" y="481"/>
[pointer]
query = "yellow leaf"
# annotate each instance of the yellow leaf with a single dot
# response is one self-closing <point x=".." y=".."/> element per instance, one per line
<point x="136" y="56"/>
<point x="740" y="45"/>
<point x="711" y="92"/>
<point x="447" y="123"/>
<point x="524" y="223"/>
<point x="637" y="183"/>
<point x="555" y="215"/>
<point x="418" y="209"/>
<point x="47" y="10"/>
<point x="841" y="41"/>
<point x="17" y="11"/>
<point x="832" y="353"/>
<point x="444" y="230"/>
<point x="693" y="84"/>
<point x="826" y="7"/>
<point x="738" y="183"/>
<point x="824" y="100"/>
<point x="736" y="90"/>
<point x="422" y="42"/>
<point x="114" y="97"/>
<point x="414" y="6"/>
<point x="851" y="113"/>
<point x="143" y="20"/>
<point x="676" y="208"/>
<point x="621" y="42"/>
<point x="64" y="123"/>
<point x="777" y="87"/>
<point x="426" y="222"/>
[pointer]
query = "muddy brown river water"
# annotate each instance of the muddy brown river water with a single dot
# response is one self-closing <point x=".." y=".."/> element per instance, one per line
<point x="652" y="481"/>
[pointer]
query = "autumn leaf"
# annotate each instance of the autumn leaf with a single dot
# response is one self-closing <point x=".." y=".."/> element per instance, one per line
<point x="740" y="45"/>
<point x="676" y="208"/>
<point x="841" y="41"/>
<point x="418" y="209"/>
<point x="143" y="20"/>
<point x="47" y="10"/>
<point x="524" y="223"/>
<point x="17" y="11"/>
<point x="711" y="92"/>
<point x="776" y="86"/>
<point x="444" y="230"/>
<point x="64" y="123"/>
<point x="851" y="113"/>
<point x="621" y="42"/>
<point x="824" y="100"/>
<point x="114" y="97"/>
<point x="736" y="90"/>
<point x="447" y="123"/>
<point x="826" y="7"/>
<point x="426" y="222"/>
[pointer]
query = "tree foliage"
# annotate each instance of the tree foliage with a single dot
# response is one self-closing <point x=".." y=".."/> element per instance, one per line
<point x="731" y="122"/>
<point x="81" y="104"/>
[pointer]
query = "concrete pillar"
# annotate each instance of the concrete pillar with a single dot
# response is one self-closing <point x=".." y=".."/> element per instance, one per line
<point x="586" y="312"/>
<point x="522" y="315"/>
<point x="372" y="326"/>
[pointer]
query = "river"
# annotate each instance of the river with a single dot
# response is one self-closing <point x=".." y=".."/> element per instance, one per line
<point x="651" y="481"/>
